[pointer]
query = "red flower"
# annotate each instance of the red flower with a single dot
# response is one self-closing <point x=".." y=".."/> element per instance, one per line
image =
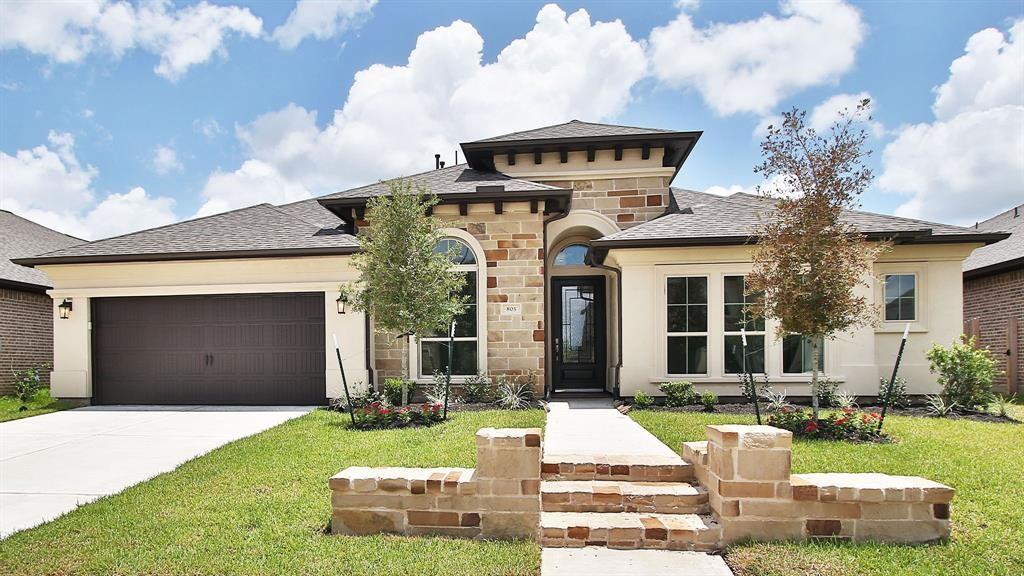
<point x="811" y="426"/>
<point x="383" y="411"/>
<point x="876" y="415"/>
<point x="786" y="409"/>
<point x="841" y="421"/>
<point x="848" y="410"/>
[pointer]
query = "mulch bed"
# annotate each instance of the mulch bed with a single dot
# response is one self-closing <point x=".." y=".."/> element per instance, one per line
<point x="916" y="411"/>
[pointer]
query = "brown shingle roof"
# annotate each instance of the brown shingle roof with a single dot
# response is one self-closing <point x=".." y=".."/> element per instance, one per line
<point x="574" y="129"/>
<point x="257" y="231"/>
<point x="1002" y="255"/>
<point x="701" y="218"/>
<point x="458" y="179"/>
<point x="20" y="238"/>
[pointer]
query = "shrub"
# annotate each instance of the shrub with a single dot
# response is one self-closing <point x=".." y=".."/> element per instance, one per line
<point x="27" y="384"/>
<point x="939" y="406"/>
<point x="708" y="399"/>
<point x="379" y="415"/>
<point x="965" y="372"/>
<point x="898" y="397"/>
<point x="477" y="388"/>
<point x="514" y="394"/>
<point x="1001" y="405"/>
<point x="845" y="424"/>
<point x="828" y="390"/>
<point x="642" y="400"/>
<point x="393" y="390"/>
<point x="844" y="399"/>
<point x="776" y="401"/>
<point x="678" y="393"/>
<point x="436" y="390"/>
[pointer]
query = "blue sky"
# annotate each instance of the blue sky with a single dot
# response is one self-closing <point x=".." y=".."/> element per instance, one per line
<point x="117" y="116"/>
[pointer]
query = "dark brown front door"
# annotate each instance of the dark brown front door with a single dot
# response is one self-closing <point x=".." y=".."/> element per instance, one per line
<point x="578" y="330"/>
<point x="246" y="349"/>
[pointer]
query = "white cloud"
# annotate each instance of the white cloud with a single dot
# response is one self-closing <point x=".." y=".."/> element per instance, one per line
<point x="165" y="160"/>
<point x="396" y="117"/>
<point x="969" y="163"/>
<point x="253" y="183"/>
<point x="208" y="127"/>
<point x="320" y="19"/>
<point x="49" y="185"/>
<point x="751" y="66"/>
<point x="776" y="186"/>
<point x="67" y="32"/>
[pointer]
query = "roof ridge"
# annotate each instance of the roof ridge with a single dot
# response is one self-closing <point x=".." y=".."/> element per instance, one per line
<point x="38" y="225"/>
<point x="197" y="219"/>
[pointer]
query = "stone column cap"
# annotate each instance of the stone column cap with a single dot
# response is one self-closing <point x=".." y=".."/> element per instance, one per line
<point x="749" y="436"/>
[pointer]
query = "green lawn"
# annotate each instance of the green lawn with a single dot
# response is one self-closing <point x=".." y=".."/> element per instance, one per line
<point x="261" y="506"/>
<point x="43" y="403"/>
<point x="984" y="462"/>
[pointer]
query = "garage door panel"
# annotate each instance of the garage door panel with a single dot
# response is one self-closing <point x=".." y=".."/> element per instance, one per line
<point x="210" y="349"/>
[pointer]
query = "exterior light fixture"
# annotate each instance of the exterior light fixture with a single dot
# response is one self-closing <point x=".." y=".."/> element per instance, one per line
<point x="65" y="309"/>
<point x="342" y="301"/>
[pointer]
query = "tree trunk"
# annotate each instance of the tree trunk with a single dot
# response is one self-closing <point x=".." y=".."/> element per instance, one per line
<point x="405" y="369"/>
<point x="815" y="351"/>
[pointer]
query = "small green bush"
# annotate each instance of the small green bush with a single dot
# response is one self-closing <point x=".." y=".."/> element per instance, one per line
<point x="393" y="390"/>
<point x="678" y="393"/>
<point x="898" y="398"/>
<point x="438" y="388"/>
<point x="27" y="384"/>
<point x="965" y="372"/>
<point x="515" y="394"/>
<point x="709" y="400"/>
<point x="828" y="391"/>
<point x="642" y="400"/>
<point x="477" y="388"/>
<point x="939" y="406"/>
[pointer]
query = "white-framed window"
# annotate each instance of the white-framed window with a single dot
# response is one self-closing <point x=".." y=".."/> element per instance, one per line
<point x="900" y="297"/>
<point x="686" y="320"/>
<point x="796" y="354"/>
<point x="432" y="350"/>
<point x="737" y="316"/>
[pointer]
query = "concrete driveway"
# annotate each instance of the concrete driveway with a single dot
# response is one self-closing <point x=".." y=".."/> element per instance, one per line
<point x="53" y="463"/>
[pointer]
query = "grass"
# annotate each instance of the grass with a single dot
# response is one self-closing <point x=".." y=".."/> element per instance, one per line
<point x="42" y="403"/>
<point x="261" y="506"/>
<point x="983" y="461"/>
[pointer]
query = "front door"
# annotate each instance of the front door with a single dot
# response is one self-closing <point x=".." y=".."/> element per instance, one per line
<point x="578" y="331"/>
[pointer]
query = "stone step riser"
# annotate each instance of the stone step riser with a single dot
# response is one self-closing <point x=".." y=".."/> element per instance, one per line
<point x="633" y="538"/>
<point x="589" y="502"/>
<point x="617" y="472"/>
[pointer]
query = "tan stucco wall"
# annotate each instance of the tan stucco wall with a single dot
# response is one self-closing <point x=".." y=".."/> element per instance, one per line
<point x="578" y="168"/>
<point x="72" y="374"/>
<point x="858" y="358"/>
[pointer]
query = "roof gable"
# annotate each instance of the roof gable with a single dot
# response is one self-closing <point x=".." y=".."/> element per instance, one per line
<point x="574" y="129"/>
<point x="20" y="238"/>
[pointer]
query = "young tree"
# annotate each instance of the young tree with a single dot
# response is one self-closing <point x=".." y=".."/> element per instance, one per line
<point x="809" y="260"/>
<point x="407" y="286"/>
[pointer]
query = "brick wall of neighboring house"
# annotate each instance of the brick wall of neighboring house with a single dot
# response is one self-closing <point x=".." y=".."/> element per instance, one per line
<point x="513" y="243"/>
<point x="627" y="201"/>
<point x="26" y="334"/>
<point x="996" y="300"/>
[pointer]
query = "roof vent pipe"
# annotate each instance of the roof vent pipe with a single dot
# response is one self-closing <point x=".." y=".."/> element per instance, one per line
<point x="456" y="155"/>
<point x="1016" y="209"/>
<point x="437" y="161"/>
<point x="442" y="163"/>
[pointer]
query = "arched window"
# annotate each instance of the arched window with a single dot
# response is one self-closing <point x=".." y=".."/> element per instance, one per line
<point x="572" y="255"/>
<point x="433" y="348"/>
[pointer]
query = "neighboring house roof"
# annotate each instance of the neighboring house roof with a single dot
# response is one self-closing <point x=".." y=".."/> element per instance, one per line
<point x="257" y="231"/>
<point x="699" y="218"/>
<point x="451" y="180"/>
<point x="1001" y="256"/>
<point x="574" y="129"/>
<point x="20" y="238"/>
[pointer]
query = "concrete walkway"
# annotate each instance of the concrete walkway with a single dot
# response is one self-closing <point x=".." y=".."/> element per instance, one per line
<point x="593" y="427"/>
<point x="595" y="561"/>
<point x="53" y="463"/>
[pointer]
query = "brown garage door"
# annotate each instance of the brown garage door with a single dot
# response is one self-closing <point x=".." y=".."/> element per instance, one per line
<point x="249" y="349"/>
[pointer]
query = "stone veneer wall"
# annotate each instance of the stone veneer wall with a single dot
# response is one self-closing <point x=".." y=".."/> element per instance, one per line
<point x="499" y="499"/>
<point x="26" y="334"/>
<point x="996" y="300"/>
<point x="627" y="201"/>
<point x="746" y="472"/>
<point x="513" y="244"/>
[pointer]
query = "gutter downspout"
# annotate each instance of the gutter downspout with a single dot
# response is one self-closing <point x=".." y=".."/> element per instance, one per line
<point x="618" y="326"/>
<point x="548" y="388"/>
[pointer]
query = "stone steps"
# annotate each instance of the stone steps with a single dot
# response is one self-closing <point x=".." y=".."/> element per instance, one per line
<point x="629" y="531"/>
<point x="615" y="496"/>
<point x="629" y="468"/>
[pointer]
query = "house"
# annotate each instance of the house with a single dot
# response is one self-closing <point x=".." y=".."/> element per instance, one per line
<point x="994" y="297"/>
<point x="586" y="269"/>
<point x="26" y="312"/>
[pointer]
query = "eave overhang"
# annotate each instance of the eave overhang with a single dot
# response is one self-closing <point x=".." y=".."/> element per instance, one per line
<point x="178" y="256"/>
<point x="997" y="268"/>
<point x="554" y="199"/>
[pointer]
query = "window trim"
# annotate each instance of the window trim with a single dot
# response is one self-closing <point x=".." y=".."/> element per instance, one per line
<point x="666" y="334"/>
<point x="917" y="298"/>
<point x="763" y="332"/>
<point x="416" y="350"/>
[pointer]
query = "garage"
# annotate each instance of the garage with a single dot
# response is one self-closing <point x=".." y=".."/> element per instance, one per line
<point x="243" y="349"/>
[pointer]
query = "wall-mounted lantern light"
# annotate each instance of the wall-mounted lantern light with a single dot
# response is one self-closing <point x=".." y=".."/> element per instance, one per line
<point x="65" y="309"/>
<point x="342" y="301"/>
